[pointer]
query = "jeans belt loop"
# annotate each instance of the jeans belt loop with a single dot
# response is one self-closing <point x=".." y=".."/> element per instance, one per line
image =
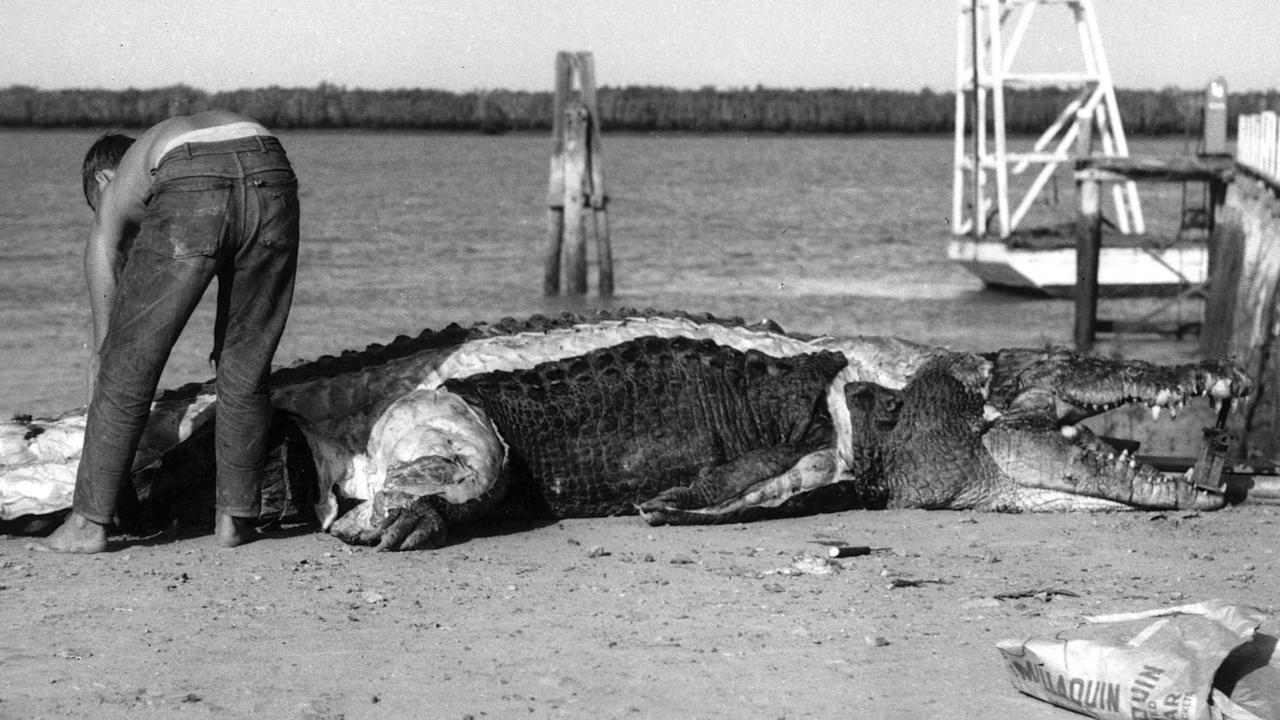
<point x="261" y="144"/>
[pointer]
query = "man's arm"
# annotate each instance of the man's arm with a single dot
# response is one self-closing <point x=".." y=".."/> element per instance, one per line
<point x="103" y="261"/>
<point x="117" y="218"/>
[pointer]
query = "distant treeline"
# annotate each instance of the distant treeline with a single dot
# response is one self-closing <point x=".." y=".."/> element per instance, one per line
<point x="1145" y="112"/>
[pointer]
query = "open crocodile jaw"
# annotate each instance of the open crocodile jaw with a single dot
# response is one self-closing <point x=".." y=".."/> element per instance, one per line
<point x="1044" y="470"/>
<point x="1066" y="467"/>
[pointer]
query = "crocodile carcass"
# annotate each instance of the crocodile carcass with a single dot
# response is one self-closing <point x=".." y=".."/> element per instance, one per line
<point x="683" y="419"/>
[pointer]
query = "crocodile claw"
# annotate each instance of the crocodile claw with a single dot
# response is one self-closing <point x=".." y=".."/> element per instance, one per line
<point x="415" y="525"/>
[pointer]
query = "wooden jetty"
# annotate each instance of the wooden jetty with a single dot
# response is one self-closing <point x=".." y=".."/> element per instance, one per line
<point x="1241" y="316"/>
<point x="1092" y="174"/>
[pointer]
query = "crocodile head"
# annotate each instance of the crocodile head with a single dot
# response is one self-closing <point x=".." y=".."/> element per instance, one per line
<point x="1002" y="432"/>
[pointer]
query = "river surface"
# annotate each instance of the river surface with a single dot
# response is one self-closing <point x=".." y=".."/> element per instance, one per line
<point x="404" y="231"/>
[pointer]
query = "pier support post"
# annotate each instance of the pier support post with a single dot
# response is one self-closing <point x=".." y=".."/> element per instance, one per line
<point x="1088" y="250"/>
<point x="574" y="239"/>
<point x="1245" y="303"/>
<point x="576" y="183"/>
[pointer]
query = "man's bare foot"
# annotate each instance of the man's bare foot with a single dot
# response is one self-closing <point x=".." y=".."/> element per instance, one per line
<point x="77" y="534"/>
<point x="233" y="531"/>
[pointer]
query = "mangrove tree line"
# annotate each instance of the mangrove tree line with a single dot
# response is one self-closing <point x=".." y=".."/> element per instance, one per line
<point x="634" y="109"/>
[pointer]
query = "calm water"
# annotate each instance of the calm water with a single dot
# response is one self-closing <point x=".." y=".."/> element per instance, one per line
<point x="405" y="231"/>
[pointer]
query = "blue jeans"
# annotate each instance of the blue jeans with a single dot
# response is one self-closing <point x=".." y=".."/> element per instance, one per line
<point x="227" y="210"/>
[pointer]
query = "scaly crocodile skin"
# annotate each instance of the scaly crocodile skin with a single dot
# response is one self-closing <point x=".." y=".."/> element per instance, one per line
<point x="601" y="433"/>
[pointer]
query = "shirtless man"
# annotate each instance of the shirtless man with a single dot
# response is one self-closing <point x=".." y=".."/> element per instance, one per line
<point x="194" y="198"/>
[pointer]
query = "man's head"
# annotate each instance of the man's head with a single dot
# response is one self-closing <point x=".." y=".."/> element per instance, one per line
<point x="100" y="164"/>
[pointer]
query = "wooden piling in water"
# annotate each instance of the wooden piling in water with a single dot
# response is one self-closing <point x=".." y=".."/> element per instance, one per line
<point x="574" y="160"/>
<point x="1088" y="251"/>
<point x="576" y="183"/>
<point x="1088" y="241"/>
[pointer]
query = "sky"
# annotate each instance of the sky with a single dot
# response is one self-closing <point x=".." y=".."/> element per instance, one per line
<point x="464" y="45"/>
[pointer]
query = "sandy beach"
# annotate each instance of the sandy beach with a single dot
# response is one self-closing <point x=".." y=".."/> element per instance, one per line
<point x="605" y="618"/>
<point x="602" y="618"/>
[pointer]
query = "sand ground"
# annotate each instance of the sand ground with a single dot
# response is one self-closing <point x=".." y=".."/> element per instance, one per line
<point x="602" y="618"/>
<point x="606" y="618"/>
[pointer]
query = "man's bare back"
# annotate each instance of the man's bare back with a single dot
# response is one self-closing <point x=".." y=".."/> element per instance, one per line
<point x="131" y="182"/>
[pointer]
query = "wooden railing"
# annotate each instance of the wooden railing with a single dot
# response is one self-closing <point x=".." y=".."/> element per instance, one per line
<point x="1258" y="145"/>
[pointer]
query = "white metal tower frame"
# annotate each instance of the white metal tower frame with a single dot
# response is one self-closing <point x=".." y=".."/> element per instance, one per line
<point x="985" y="51"/>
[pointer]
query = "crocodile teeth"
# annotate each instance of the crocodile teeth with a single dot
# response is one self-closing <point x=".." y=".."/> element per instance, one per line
<point x="1173" y="411"/>
<point x="1069" y="431"/>
<point x="1155" y="412"/>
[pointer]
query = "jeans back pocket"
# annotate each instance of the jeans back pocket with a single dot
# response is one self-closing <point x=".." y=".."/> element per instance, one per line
<point x="185" y="219"/>
<point x="280" y="212"/>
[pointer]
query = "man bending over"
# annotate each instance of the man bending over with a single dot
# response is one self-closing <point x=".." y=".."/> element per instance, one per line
<point x="205" y="196"/>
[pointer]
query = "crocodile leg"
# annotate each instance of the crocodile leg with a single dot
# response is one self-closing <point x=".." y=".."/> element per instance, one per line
<point x="747" y="487"/>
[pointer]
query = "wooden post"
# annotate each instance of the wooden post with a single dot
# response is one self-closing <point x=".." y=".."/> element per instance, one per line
<point x="551" y="268"/>
<point x="1088" y="250"/>
<point x="595" y="162"/>
<point x="574" y="242"/>
<point x="576" y="182"/>
<point x="1247" y="320"/>
<point x="604" y="252"/>
<point x="555" y="188"/>
<point x="1226" y="264"/>
<point x="1221" y="273"/>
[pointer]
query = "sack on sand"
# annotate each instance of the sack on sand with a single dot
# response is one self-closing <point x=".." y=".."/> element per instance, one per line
<point x="1204" y="661"/>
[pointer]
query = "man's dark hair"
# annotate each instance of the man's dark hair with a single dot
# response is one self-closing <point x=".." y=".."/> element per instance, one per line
<point x="104" y="154"/>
